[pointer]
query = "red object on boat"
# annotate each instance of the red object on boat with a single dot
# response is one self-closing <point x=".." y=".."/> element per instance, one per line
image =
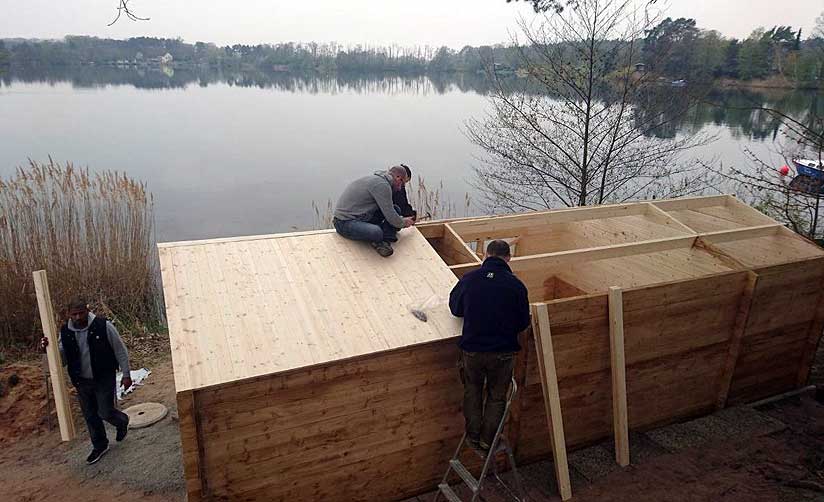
<point x="785" y="170"/>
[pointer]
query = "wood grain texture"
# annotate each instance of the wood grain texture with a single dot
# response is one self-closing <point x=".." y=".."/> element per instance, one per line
<point x="303" y="376"/>
<point x="241" y="309"/>
<point x="619" y="376"/>
<point x="549" y="382"/>
<point x="58" y="379"/>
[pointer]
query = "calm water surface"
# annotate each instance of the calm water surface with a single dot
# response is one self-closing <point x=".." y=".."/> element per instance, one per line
<point x="239" y="155"/>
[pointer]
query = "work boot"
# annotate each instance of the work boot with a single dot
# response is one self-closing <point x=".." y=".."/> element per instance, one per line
<point x="383" y="248"/>
<point x="473" y="443"/>
<point x="122" y="431"/>
<point x="95" y="455"/>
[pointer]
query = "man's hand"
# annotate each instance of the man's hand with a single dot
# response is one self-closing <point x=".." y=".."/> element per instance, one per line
<point x="44" y="342"/>
<point x="126" y="381"/>
<point x="408" y="222"/>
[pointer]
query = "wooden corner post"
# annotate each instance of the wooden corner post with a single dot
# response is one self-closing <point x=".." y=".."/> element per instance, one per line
<point x="619" y="376"/>
<point x="552" y="400"/>
<point x="58" y="380"/>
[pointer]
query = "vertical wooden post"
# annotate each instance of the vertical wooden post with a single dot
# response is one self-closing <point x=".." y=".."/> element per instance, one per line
<point x="619" y="376"/>
<point x="61" y="395"/>
<point x="740" y="326"/>
<point x="552" y="400"/>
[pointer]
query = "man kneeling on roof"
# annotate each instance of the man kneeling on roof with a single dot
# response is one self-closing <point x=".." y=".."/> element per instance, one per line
<point x="365" y="210"/>
<point x="495" y="308"/>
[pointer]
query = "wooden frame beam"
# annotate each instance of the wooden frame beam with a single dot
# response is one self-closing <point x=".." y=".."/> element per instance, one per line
<point x="58" y="380"/>
<point x="552" y="401"/>
<point x="620" y="423"/>
<point x="514" y="225"/>
<point x="575" y="256"/>
<point x="739" y="328"/>
<point x="738" y="234"/>
<point x="692" y="202"/>
<point x="663" y="217"/>
<point x="451" y="238"/>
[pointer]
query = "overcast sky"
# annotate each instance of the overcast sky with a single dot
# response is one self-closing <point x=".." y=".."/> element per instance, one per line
<point x="406" y="22"/>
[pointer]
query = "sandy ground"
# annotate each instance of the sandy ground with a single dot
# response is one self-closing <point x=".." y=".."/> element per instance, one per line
<point x="773" y="454"/>
<point x="35" y="465"/>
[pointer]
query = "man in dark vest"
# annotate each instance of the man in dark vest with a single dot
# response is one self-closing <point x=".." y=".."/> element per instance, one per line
<point x="92" y="350"/>
<point x="495" y="308"/>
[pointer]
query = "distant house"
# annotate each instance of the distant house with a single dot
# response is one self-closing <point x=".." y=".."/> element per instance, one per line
<point x="166" y="59"/>
<point x="640" y="68"/>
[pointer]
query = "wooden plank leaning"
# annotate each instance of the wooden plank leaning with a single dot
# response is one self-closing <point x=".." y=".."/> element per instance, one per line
<point x="58" y="380"/>
<point x="619" y="376"/>
<point x="740" y="327"/>
<point x="552" y="401"/>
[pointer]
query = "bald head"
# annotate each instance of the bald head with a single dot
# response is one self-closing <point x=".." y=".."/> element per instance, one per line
<point x="399" y="177"/>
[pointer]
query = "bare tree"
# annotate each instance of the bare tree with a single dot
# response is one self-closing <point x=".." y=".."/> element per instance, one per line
<point x="123" y="9"/>
<point x="784" y="194"/>
<point x="592" y="134"/>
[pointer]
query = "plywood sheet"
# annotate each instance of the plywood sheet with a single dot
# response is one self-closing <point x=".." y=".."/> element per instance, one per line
<point x="239" y="309"/>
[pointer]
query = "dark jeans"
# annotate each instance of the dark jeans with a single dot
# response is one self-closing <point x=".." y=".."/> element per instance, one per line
<point x="494" y="368"/>
<point x="97" y="402"/>
<point x="375" y="230"/>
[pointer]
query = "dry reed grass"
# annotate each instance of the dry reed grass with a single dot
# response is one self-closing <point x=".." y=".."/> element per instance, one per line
<point x="92" y="233"/>
<point x="431" y="204"/>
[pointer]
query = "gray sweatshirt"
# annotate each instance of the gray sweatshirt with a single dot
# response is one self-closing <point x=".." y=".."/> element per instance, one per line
<point x="365" y="196"/>
<point x="118" y="347"/>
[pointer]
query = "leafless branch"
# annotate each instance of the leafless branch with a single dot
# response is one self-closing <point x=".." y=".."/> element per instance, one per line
<point x="123" y="9"/>
<point x="590" y="136"/>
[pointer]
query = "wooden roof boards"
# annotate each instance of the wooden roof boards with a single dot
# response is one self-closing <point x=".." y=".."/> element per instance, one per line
<point x="240" y="308"/>
<point x="249" y="306"/>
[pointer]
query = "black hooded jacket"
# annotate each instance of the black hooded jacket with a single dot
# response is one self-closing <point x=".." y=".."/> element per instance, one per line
<point x="494" y="305"/>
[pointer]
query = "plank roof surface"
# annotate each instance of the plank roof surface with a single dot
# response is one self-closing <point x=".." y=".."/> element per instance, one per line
<point x="251" y="306"/>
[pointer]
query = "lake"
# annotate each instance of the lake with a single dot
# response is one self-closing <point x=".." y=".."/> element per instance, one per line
<point x="240" y="154"/>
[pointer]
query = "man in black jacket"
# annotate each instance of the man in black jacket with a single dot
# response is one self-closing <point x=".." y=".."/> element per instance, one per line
<point x="401" y="200"/>
<point x="495" y="308"/>
<point x="92" y="350"/>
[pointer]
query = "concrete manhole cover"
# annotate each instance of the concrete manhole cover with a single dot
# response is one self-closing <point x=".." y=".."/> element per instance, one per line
<point x="145" y="414"/>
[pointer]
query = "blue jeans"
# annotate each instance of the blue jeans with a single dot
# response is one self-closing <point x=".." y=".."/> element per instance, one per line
<point x="375" y="230"/>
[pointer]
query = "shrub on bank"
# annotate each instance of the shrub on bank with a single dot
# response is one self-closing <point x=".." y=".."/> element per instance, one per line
<point x="92" y="233"/>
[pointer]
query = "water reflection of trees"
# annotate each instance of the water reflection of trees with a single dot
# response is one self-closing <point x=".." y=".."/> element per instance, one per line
<point x="732" y="108"/>
<point x="311" y="83"/>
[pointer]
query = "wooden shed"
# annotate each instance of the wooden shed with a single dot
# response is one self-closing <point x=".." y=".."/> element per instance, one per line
<point x="301" y="373"/>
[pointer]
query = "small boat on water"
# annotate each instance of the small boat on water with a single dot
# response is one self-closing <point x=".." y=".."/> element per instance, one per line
<point x="810" y="178"/>
<point x="812" y="168"/>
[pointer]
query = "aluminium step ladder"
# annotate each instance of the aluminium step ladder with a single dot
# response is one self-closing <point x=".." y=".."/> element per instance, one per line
<point x="499" y="444"/>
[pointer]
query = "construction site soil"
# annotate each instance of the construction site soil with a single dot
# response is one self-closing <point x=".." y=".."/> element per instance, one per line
<point x="782" y="462"/>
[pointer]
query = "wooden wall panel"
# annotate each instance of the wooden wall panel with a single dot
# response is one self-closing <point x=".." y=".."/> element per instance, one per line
<point x="676" y="342"/>
<point x="776" y="339"/>
<point x="373" y="428"/>
<point x="190" y="445"/>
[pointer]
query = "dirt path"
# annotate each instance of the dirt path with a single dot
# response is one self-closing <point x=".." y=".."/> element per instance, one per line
<point x="37" y="466"/>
